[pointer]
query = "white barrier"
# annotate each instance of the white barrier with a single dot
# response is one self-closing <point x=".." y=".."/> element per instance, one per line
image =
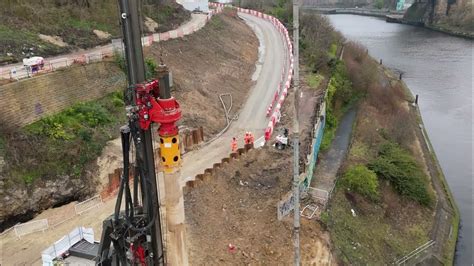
<point x="31" y="227"/>
<point x="319" y="195"/>
<point x="260" y="142"/>
<point x="66" y="242"/>
<point x="88" y="204"/>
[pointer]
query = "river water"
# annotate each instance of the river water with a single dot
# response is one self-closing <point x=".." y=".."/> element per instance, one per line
<point x="439" y="68"/>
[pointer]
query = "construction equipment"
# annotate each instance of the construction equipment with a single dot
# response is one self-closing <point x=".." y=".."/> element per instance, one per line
<point x="282" y="140"/>
<point x="133" y="236"/>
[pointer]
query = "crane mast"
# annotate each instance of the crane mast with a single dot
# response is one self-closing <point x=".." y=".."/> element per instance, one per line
<point x="132" y="235"/>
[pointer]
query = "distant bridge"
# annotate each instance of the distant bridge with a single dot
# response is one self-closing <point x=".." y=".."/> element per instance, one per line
<point x="383" y="13"/>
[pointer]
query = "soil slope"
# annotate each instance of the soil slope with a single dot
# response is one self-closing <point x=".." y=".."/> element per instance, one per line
<point x="217" y="59"/>
<point x="72" y="22"/>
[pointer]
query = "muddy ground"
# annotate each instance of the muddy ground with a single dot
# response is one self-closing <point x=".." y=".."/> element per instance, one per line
<point x="218" y="59"/>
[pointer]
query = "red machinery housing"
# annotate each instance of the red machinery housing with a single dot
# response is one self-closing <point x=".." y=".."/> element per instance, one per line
<point x="151" y="108"/>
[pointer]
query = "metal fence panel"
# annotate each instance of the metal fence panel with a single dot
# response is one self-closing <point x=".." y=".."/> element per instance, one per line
<point x="66" y="242"/>
<point x="31" y="227"/>
<point x="88" y="204"/>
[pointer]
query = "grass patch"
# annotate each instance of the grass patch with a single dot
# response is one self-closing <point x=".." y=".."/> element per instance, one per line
<point x="89" y="25"/>
<point x="63" y="144"/>
<point x="332" y="50"/>
<point x="314" y="80"/>
<point x="216" y="23"/>
<point x="370" y="237"/>
<point x="14" y="41"/>
<point x="359" y="151"/>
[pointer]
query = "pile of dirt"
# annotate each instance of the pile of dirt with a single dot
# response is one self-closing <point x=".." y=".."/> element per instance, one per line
<point x="218" y="59"/>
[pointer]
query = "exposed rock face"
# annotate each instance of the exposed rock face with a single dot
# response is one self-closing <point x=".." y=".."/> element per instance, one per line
<point x="21" y="203"/>
<point x="455" y="14"/>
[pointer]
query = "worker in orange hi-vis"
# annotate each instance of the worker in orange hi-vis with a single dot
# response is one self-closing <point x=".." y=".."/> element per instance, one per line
<point x="233" y="144"/>
<point x="247" y="138"/>
<point x="251" y="138"/>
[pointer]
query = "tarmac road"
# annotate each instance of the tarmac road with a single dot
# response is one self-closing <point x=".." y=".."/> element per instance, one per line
<point x="272" y="58"/>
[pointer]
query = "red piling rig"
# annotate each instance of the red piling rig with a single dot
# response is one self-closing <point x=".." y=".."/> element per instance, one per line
<point x="151" y="108"/>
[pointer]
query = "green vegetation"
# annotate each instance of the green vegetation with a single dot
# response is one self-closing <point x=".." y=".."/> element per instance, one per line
<point x="15" y="40"/>
<point x="216" y="23"/>
<point x="360" y="179"/>
<point x="381" y="174"/>
<point x="332" y="50"/>
<point x="150" y="65"/>
<point x="370" y="237"/>
<point x="314" y="80"/>
<point x="379" y="4"/>
<point x="340" y="95"/>
<point x="404" y="173"/>
<point x="318" y="42"/>
<point x="64" y="143"/>
<point x="283" y="11"/>
<point x="324" y="218"/>
<point x="74" y="21"/>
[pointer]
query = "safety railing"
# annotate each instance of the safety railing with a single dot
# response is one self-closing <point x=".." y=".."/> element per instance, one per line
<point x="88" y="204"/>
<point x="31" y="227"/>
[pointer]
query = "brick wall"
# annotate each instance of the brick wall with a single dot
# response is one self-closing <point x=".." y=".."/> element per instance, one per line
<point x="26" y="101"/>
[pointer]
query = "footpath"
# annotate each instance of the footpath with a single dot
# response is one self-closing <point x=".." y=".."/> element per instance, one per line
<point x="15" y="72"/>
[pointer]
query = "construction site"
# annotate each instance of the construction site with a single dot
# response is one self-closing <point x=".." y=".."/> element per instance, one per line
<point x="182" y="133"/>
<point x="230" y="78"/>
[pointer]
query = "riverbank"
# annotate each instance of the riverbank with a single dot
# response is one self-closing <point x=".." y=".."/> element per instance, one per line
<point x="449" y="247"/>
<point x="392" y="16"/>
<point x="438" y="28"/>
<point x="390" y="222"/>
<point x="438" y="68"/>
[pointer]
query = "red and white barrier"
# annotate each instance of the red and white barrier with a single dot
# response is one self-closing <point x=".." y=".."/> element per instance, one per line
<point x="275" y="117"/>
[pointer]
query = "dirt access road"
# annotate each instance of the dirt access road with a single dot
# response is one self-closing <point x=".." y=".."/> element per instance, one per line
<point x="63" y="60"/>
<point x="272" y="58"/>
<point x="252" y="117"/>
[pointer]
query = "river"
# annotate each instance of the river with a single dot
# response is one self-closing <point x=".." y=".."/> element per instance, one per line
<point x="439" y="68"/>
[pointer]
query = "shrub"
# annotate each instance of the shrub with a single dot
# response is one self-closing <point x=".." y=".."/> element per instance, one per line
<point x="318" y="40"/>
<point x="379" y="4"/>
<point x="404" y="173"/>
<point x="362" y="180"/>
